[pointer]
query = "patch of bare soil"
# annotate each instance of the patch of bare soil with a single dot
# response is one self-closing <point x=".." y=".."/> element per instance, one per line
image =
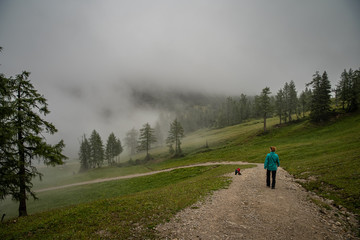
<point x="250" y="210"/>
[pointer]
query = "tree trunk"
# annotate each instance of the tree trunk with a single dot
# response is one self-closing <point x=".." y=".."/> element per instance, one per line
<point x="22" y="172"/>
<point x="22" y="183"/>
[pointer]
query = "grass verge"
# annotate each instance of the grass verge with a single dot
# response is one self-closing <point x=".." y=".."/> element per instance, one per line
<point x="141" y="204"/>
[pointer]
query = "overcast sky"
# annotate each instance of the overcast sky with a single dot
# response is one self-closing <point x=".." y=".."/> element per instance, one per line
<point x="83" y="53"/>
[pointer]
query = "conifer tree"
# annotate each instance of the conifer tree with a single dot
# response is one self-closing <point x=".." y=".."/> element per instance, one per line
<point x="110" y="150"/>
<point x="244" y="107"/>
<point x="348" y="90"/>
<point x="113" y="149"/>
<point x="280" y="104"/>
<point x="85" y="154"/>
<point x="146" y="139"/>
<point x="286" y="94"/>
<point x="97" y="150"/>
<point x="343" y="90"/>
<point x="23" y="140"/>
<point x="264" y="104"/>
<point x="321" y="98"/>
<point x="293" y="100"/>
<point x="131" y="140"/>
<point x="176" y="133"/>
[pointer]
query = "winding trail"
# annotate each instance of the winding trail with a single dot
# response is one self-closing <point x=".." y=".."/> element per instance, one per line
<point x="250" y="210"/>
<point x="137" y="175"/>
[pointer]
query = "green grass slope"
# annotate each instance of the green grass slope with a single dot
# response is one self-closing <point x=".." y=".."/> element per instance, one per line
<point x="124" y="209"/>
<point x="325" y="156"/>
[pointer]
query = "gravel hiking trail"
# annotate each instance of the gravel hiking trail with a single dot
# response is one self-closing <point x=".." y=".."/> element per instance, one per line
<point x="250" y="210"/>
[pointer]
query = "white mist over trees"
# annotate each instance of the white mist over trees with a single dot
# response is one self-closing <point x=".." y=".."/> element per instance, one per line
<point x="193" y="111"/>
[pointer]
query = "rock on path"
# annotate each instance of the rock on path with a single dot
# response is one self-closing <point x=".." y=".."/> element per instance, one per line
<point x="250" y="210"/>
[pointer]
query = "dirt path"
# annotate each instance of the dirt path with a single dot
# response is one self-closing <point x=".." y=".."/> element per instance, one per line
<point x="136" y="175"/>
<point x="250" y="210"/>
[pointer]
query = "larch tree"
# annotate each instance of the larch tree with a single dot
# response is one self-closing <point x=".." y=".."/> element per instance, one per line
<point x="26" y="129"/>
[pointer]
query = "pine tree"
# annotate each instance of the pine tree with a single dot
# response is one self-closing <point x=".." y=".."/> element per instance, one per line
<point x="244" y="107"/>
<point x="305" y="100"/>
<point x="25" y="126"/>
<point x="146" y="138"/>
<point x="343" y="90"/>
<point x="176" y="133"/>
<point x="111" y="149"/>
<point x="264" y="104"/>
<point x="280" y="104"/>
<point x="348" y="90"/>
<point x="131" y="140"/>
<point x="97" y="150"/>
<point x="85" y="154"/>
<point x="293" y="100"/>
<point x="321" y="98"/>
<point x="286" y="94"/>
<point x="355" y="96"/>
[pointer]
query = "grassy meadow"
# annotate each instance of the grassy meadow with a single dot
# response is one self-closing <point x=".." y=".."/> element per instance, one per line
<point x="326" y="155"/>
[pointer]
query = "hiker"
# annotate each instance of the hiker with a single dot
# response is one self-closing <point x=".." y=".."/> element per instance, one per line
<point x="237" y="171"/>
<point x="271" y="164"/>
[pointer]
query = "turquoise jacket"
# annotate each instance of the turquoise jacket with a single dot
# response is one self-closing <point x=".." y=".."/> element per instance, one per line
<point x="272" y="161"/>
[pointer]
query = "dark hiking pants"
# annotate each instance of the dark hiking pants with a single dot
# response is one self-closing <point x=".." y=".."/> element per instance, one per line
<point x="273" y="175"/>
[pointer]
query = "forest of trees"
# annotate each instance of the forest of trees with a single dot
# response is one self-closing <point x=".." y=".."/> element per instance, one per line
<point x="93" y="153"/>
<point x="287" y="104"/>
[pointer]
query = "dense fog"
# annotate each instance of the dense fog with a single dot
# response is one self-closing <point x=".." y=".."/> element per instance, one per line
<point x="114" y="65"/>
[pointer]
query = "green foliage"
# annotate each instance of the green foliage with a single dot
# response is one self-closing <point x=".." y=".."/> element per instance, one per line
<point x="132" y="212"/>
<point x="263" y="104"/>
<point x="22" y="141"/>
<point x="85" y="154"/>
<point x="176" y="133"/>
<point x="305" y="100"/>
<point x="96" y="150"/>
<point x="146" y="139"/>
<point x="321" y="98"/>
<point x="280" y="104"/>
<point x="293" y="100"/>
<point x="348" y="90"/>
<point x="113" y="149"/>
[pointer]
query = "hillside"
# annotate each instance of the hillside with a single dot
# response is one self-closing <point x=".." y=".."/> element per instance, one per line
<point x="324" y="159"/>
